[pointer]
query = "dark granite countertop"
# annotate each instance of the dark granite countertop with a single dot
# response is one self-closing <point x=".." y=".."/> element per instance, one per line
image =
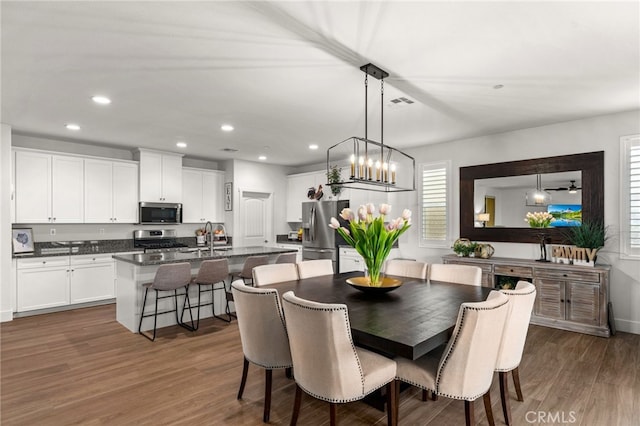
<point x="196" y="255"/>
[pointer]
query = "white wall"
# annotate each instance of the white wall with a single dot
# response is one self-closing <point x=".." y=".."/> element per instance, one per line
<point x="600" y="133"/>
<point x="5" y="223"/>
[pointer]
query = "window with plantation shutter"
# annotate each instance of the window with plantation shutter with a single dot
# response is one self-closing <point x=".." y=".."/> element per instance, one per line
<point x="434" y="204"/>
<point x="630" y="196"/>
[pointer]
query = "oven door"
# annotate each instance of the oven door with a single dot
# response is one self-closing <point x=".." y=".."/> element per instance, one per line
<point x="151" y="213"/>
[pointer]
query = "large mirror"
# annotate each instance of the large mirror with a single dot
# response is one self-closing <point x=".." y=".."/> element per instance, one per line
<point x="494" y="198"/>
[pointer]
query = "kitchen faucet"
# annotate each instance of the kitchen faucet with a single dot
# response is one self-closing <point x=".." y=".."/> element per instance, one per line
<point x="208" y="231"/>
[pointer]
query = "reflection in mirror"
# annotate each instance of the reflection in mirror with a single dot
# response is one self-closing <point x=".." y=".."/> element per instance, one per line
<point x="501" y="202"/>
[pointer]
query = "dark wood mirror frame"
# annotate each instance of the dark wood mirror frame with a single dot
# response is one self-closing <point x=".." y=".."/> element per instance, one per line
<point x="591" y="165"/>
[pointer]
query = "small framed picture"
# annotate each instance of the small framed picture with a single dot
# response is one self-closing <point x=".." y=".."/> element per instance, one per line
<point x="228" y="196"/>
<point x="22" y="240"/>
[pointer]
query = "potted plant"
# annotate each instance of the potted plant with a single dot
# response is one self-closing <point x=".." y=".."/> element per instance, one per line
<point x="590" y="236"/>
<point x="463" y="247"/>
<point x="334" y="177"/>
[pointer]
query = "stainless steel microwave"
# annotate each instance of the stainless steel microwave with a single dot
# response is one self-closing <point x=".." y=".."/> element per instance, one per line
<point x="150" y="213"/>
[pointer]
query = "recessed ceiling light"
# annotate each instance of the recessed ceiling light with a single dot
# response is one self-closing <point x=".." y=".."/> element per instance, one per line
<point x="262" y="157"/>
<point x="226" y="127"/>
<point x="498" y="86"/>
<point x="102" y="100"/>
<point x="313" y="146"/>
<point x="181" y="144"/>
<point x="72" y="126"/>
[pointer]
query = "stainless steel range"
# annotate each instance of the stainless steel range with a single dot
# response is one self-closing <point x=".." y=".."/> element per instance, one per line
<point x="157" y="241"/>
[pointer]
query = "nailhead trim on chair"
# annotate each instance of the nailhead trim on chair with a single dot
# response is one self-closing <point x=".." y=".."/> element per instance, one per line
<point x="344" y="310"/>
<point x="269" y="292"/>
<point x="455" y="341"/>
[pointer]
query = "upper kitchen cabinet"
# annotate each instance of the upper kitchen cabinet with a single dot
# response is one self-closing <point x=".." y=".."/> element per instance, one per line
<point x="48" y="188"/>
<point x="160" y="176"/>
<point x="110" y="192"/>
<point x="202" y="195"/>
<point x="298" y="186"/>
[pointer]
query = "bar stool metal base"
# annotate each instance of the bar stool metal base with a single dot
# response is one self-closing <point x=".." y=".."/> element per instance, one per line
<point x="156" y="313"/>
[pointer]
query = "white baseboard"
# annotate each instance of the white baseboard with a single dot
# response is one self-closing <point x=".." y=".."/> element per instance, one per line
<point x="628" y="326"/>
<point x="6" y="316"/>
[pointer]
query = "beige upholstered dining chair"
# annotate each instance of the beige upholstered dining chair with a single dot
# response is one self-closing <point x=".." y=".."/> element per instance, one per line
<point x="315" y="268"/>
<point x="326" y="363"/>
<point x="515" y="334"/>
<point x="286" y="258"/>
<point x="247" y="269"/>
<point x="465" y="369"/>
<point x="168" y="278"/>
<point x="406" y="268"/>
<point x="211" y="277"/>
<point x="274" y="273"/>
<point x="262" y="333"/>
<point x="458" y="274"/>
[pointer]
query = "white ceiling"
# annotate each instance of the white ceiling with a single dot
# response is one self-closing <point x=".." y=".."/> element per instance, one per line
<point x="286" y="74"/>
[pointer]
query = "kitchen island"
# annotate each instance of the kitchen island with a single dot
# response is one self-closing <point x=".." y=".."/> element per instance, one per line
<point x="133" y="270"/>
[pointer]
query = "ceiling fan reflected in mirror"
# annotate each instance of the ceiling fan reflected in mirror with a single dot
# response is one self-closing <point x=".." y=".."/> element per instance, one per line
<point x="572" y="188"/>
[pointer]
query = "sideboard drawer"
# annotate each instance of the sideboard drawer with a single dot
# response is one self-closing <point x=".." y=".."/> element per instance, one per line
<point x="513" y="271"/>
<point x="568" y="274"/>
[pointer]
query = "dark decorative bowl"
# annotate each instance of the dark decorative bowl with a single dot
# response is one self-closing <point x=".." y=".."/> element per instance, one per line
<point x="362" y="284"/>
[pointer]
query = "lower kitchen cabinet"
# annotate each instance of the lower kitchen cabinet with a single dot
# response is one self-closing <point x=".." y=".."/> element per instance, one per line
<point x="350" y="259"/>
<point x="50" y="282"/>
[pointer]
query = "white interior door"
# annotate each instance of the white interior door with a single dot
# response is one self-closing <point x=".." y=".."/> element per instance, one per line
<point x="256" y="219"/>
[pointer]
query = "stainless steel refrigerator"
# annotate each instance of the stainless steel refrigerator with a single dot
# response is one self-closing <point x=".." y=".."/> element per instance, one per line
<point x="318" y="240"/>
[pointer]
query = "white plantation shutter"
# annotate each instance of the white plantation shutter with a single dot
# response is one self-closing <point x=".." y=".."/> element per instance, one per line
<point x="434" y="204"/>
<point x="630" y="196"/>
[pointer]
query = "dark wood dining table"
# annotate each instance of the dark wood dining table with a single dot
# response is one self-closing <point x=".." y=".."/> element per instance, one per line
<point x="408" y="321"/>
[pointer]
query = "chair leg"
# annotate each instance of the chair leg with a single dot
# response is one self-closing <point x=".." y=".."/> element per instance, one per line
<point x="333" y="413"/>
<point x="392" y="408"/>
<point x="243" y="381"/>
<point x="179" y="317"/>
<point x="213" y="308"/>
<point x="267" y="394"/>
<point x="144" y="303"/>
<point x="504" y="396"/>
<point x="425" y="394"/>
<point x="396" y="395"/>
<point x="487" y="408"/>
<point x="288" y="372"/>
<point x="434" y="396"/>
<point x="469" y="416"/>
<point x="296" y="406"/>
<point x="516" y="383"/>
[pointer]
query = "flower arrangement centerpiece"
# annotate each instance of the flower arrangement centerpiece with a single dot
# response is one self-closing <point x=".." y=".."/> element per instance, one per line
<point x="539" y="219"/>
<point x="370" y="236"/>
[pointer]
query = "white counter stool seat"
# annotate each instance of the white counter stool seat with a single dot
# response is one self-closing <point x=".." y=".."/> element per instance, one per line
<point x="465" y="369"/>
<point x="211" y="278"/>
<point x="315" y="268"/>
<point x="326" y="363"/>
<point x="274" y="273"/>
<point x="521" y="300"/>
<point x="406" y="268"/>
<point x="168" y="278"/>
<point x="262" y="333"/>
<point x="457" y="274"/>
<point x="286" y="258"/>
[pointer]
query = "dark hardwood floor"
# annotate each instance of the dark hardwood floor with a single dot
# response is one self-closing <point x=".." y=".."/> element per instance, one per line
<point x="82" y="367"/>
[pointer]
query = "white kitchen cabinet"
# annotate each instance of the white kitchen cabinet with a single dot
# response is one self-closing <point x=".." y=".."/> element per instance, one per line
<point x="110" y="192"/>
<point x="91" y="278"/>
<point x="160" y="176"/>
<point x="297" y="187"/>
<point x="42" y="283"/>
<point x="48" y="188"/>
<point x="202" y="195"/>
<point x="49" y="282"/>
<point x="297" y="247"/>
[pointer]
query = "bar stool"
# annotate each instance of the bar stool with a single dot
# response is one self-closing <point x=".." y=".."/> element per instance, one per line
<point x="246" y="274"/>
<point x="168" y="278"/>
<point x="247" y="269"/>
<point x="286" y="258"/>
<point x="210" y="274"/>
